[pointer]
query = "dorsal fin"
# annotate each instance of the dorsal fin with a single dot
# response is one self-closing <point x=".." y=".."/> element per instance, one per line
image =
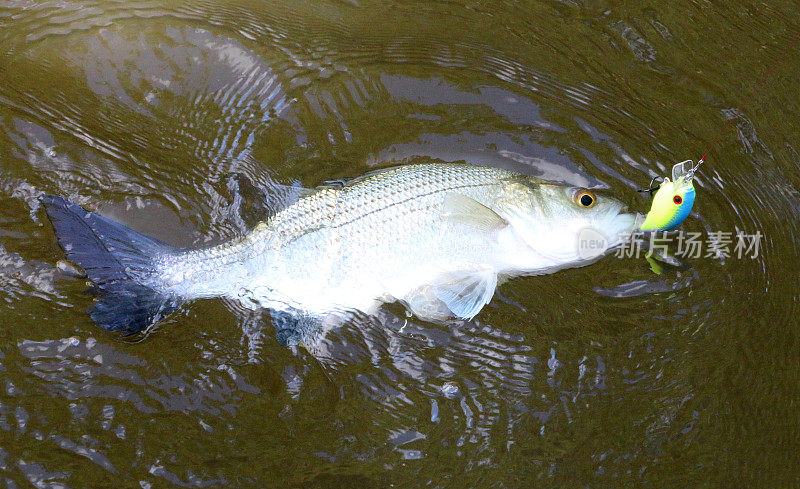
<point x="348" y="181"/>
<point x="337" y="183"/>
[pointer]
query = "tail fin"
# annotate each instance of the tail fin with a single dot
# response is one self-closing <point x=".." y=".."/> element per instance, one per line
<point x="119" y="261"/>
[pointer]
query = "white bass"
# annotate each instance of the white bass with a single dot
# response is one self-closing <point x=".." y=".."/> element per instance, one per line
<point x="438" y="237"/>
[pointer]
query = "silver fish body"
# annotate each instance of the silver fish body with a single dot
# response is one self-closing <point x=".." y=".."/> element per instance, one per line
<point x="436" y="236"/>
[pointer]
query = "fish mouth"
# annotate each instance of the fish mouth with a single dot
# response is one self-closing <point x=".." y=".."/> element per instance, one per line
<point x="624" y="225"/>
<point x="621" y="224"/>
<point x="617" y="225"/>
<point x="607" y="230"/>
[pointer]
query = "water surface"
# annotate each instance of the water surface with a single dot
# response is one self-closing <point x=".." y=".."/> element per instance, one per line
<point x="177" y="119"/>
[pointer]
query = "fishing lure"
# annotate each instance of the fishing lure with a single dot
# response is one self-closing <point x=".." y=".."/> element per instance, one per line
<point x="673" y="199"/>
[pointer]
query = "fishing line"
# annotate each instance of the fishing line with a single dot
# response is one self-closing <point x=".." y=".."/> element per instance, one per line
<point x="656" y="182"/>
<point x="746" y="101"/>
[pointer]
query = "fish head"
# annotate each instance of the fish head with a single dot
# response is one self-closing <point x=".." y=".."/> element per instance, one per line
<point x="564" y="224"/>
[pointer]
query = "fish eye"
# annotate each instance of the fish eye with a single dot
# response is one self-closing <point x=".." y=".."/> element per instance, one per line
<point x="677" y="199"/>
<point x="585" y="198"/>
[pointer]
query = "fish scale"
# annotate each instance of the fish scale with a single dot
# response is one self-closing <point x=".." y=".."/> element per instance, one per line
<point x="382" y="236"/>
<point x="334" y="238"/>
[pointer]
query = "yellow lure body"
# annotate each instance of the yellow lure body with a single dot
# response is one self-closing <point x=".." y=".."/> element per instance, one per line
<point x="672" y="203"/>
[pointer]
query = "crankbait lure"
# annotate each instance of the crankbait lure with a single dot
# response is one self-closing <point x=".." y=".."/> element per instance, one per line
<point x="673" y="199"/>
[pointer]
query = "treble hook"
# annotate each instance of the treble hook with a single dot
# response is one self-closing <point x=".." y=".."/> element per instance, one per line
<point x="652" y="189"/>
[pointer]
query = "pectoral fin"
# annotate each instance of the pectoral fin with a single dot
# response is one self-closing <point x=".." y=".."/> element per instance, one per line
<point x="466" y="293"/>
<point x="462" y="209"/>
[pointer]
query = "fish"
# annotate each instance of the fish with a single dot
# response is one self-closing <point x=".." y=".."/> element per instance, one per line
<point x="437" y="237"/>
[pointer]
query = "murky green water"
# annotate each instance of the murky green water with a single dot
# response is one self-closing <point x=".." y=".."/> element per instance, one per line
<point x="172" y="118"/>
